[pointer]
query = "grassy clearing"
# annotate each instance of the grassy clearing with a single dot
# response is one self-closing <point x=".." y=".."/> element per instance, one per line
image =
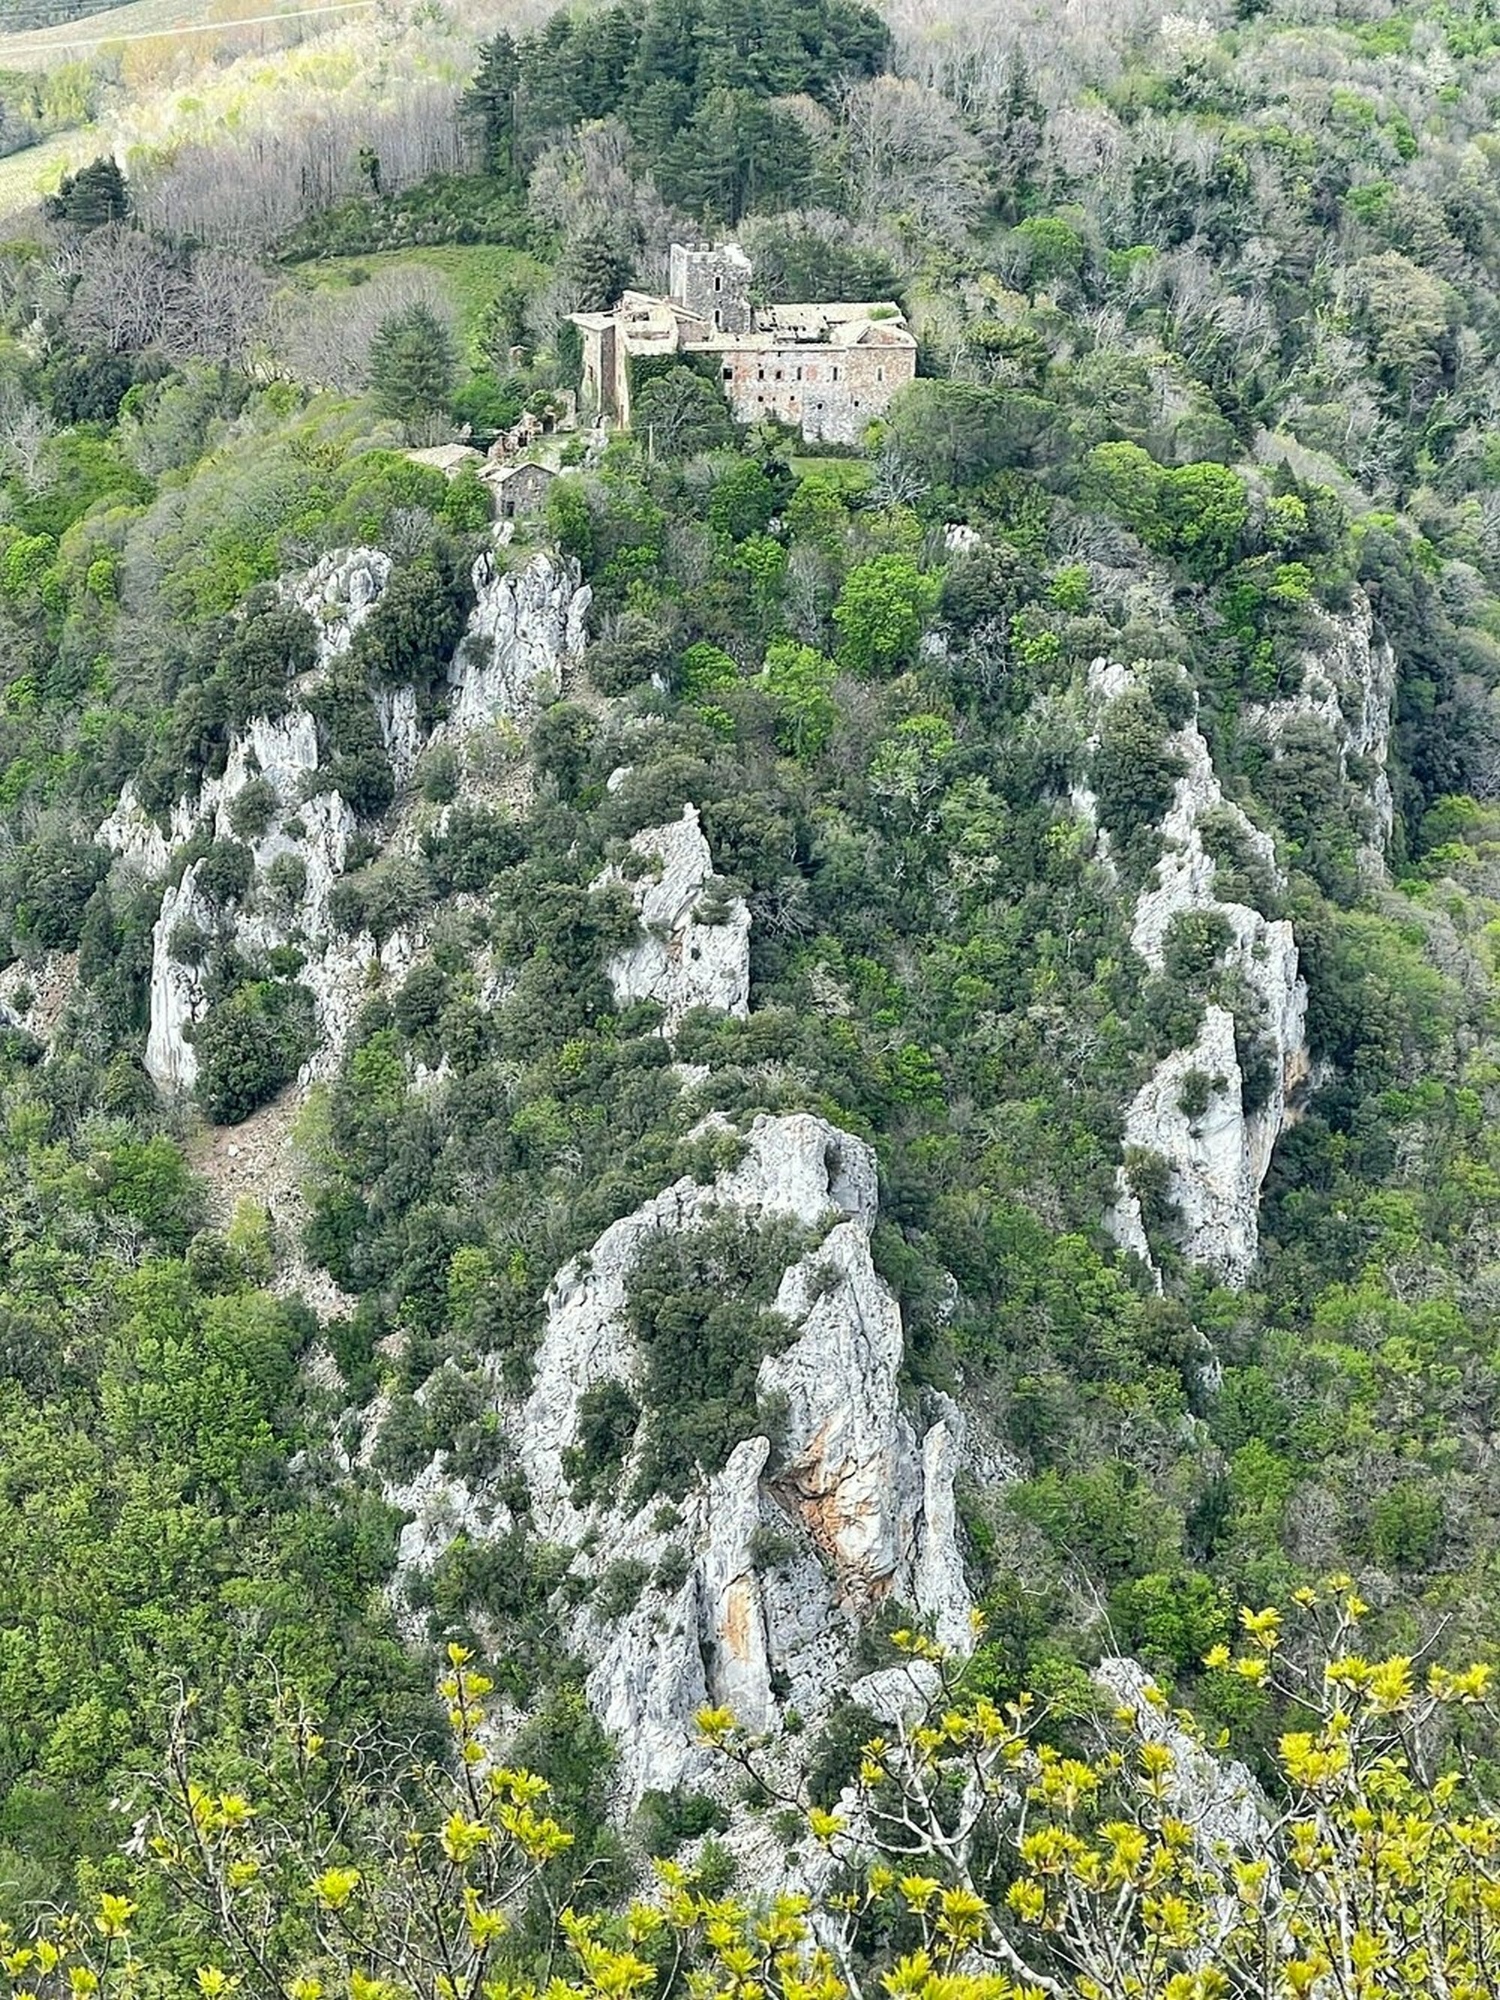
<point x="239" y="22"/>
<point x="850" y="475"/>
<point x="26" y="177"/>
<point x="472" y="274"/>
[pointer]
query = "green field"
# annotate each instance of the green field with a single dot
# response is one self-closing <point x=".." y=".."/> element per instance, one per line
<point x="472" y="274"/>
<point x="144" y="20"/>
<point x="850" y="475"/>
<point x="26" y="177"/>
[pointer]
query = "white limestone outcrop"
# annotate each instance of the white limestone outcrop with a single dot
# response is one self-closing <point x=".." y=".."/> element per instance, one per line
<point x="757" y="1581"/>
<point x="528" y="625"/>
<point x="1349" y="686"/>
<point x="1217" y="1153"/>
<point x="135" y="838"/>
<point x="686" y="956"/>
<point x="179" y="998"/>
<point x="1213" y="1182"/>
<point x="35" y="994"/>
<point x="400" y="730"/>
<point x="338" y="593"/>
<point x="1221" y="1803"/>
<point x="282" y="752"/>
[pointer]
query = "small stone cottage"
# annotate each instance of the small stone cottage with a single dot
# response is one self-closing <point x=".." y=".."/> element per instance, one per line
<point x="520" y="490"/>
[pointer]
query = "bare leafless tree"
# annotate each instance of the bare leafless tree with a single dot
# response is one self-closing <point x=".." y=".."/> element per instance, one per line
<point x="907" y="152"/>
<point x="590" y="180"/>
<point x="224" y="309"/>
<point x="24" y="430"/>
<point x="323" y="337"/>
<point x="130" y="294"/>
<point x="249" y="192"/>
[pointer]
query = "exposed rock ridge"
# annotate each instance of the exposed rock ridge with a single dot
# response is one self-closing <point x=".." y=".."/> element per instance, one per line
<point x="527" y="625"/>
<point x="761" y="1574"/>
<point x="35" y="994"/>
<point x="338" y="593"/>
<point x="694" y="947"/>
<point x="1195" y="1112"/>
<point x="1349" y="686"/>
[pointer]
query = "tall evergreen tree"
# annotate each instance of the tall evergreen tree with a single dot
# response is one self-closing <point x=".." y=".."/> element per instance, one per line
<point x="412" y="364"/>
<point x="95" y="195"/>
<point x="601" y="267"/>
<point x="489" y="106"/>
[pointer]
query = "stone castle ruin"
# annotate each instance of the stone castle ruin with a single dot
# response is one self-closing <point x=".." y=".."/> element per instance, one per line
<point x="826" y="370"/>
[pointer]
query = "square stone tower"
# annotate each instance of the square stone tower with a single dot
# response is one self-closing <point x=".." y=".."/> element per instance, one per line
<point x="712" y="281"/>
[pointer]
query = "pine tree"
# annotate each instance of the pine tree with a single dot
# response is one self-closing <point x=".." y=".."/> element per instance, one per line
<point x="601" y="267"/>
<point x="489" y="105"/>
<point x="412" y="364"/>
<point x="95" y="195"/>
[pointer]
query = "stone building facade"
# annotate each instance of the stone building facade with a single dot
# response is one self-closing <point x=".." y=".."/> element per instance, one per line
<point x="712" y="283"/>
<point x="520" y="490"/>
<point x="826" y="370"/>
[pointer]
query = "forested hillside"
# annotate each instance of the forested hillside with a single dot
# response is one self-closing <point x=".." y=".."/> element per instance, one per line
<point x="794" y="1045"/>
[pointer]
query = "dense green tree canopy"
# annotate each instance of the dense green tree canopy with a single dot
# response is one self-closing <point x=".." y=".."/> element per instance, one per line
<point x="1151" y="635"/>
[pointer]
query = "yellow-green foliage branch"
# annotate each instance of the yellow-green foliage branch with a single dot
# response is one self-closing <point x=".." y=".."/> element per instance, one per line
<point x="970" y="1860"/>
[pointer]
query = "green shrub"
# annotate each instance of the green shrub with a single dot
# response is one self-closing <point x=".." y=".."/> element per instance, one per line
<point x="225" y="873"/>
<point x="55" y="881"/>
<point x="250" y="1045"/>
<point x="253" y="809"/>
<point x="285" y="881"/>
<point x="619" y="1588"/>
<point x="1134" y="773"/>
<point x="698" y="1304"/>
<point x="409" y="639"/>
<point x="401" y="1448"/>
<point x="665" y="1821"/>
<point x="1406" y="1527"/>
<point x="608" y="1417"/>
<point x="1172" y="1618"/>
<point x="273" y="645"/>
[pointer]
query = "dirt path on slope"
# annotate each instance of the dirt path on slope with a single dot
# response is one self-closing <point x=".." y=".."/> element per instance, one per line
<point x="260" y="1161"/>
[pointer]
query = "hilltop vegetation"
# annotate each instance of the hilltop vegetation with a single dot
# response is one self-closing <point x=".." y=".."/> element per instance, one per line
<point x="1210" y="351"/>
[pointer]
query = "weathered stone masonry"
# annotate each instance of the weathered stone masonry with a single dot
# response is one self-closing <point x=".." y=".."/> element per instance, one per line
<point x="826" y="370"/>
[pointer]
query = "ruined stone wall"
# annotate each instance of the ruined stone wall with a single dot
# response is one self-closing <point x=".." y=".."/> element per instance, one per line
<point x="596" y="383"/>
<point x="604" y="388"/>
<point x="826" y="392"/>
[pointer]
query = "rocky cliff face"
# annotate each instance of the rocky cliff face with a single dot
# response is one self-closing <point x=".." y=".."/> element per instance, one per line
<point x="36" y="994"/>
<point x="755" y="1584"/>
<point x="526" y="625"/>
<point x="338" y="593"/>
<point x="1197" y="1112"/>
<point x="1223" y="1807"/>
<point x="694" y="947"/>
<point x="1349" y="689"/>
